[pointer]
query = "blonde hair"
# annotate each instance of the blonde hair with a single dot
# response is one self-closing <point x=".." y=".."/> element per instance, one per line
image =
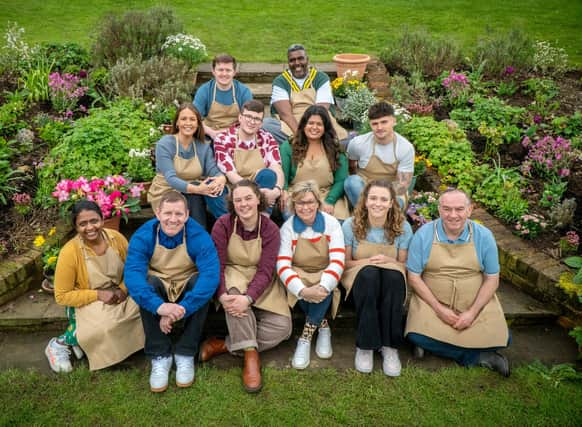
<point x="301" y="188"/>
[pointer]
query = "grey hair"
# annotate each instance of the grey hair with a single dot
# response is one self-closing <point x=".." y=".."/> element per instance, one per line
<point x="456" y="190"/>
<point x="303" y="187"/>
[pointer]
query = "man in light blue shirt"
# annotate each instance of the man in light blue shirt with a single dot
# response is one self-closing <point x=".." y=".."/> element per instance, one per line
<point x="453" y="268"/>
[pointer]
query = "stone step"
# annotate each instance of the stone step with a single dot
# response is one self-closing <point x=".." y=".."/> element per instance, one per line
<point x="37" y="310"/>
<point x="259" y="72"/>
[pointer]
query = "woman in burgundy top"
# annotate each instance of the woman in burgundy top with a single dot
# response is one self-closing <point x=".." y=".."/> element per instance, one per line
<point x="254" y="301"/>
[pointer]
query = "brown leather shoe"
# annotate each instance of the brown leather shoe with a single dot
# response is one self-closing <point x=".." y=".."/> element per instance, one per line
<point x="251" y="375"/>
<point x="212" y="347"/>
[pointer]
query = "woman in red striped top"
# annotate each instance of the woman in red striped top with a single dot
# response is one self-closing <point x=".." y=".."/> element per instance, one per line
<point x="310" y="264"/>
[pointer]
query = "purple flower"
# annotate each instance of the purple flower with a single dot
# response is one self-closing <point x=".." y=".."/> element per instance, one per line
<point x="537" y="119"/>
<point x="83" y="74"/>
<point x="509" y="70"/>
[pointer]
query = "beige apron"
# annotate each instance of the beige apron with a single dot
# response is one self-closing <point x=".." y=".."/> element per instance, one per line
<point x="186" y="169"/>
<point x="320" y="171"/>
<point x="301" y="101"/>
<point x="454" y="276"/>
<point x="222" y="116"/>
<point x="366" y="250"/>
<point x="107" y="333"/>
<point x="243" y="257"/>
<point x="248" y="162"/>
<point x="376" y="169"/>
<point x="309" y="261"/>
<point x="173" y="267"/>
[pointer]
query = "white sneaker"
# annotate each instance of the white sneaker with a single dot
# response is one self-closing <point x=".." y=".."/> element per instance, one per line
<point x="58" y="356"/>
<point x="160" y="372"/>
<point x="323" y="347"/>
<point x="391" y="362"/>
<point x="302" y="353"/>
<point x="78" y="352"/>
<point x="364" y="360"/>
<point x="184" y="370"/>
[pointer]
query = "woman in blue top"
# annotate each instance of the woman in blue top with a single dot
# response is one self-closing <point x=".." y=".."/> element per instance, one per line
<point x="376" y="240"/>
<point x="186" y="164"/>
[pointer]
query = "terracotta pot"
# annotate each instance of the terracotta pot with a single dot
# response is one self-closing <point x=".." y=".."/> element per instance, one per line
<point x="351" y="62"/>
<point x="112" y="223"/>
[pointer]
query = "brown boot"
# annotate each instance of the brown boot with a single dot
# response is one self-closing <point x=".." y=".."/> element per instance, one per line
<point x="212" y="347"/>
<point x="252" y="371"/>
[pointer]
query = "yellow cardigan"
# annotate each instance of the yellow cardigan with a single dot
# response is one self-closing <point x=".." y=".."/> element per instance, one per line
<point x="71" y="278"/>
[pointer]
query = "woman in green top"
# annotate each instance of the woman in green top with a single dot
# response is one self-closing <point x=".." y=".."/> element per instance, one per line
<point x="315" y="154"/>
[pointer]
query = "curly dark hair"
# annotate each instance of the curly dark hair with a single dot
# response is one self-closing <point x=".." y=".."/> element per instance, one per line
<point x="255" y="189"/>
<point x="394" y="219"/>
<point x="329" y="140"/>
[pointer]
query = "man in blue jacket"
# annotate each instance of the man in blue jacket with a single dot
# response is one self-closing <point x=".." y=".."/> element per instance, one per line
<point x="171" y="272"/>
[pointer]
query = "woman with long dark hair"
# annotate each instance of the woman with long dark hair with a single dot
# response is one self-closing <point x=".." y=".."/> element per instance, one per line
<point x="315" y="154"/>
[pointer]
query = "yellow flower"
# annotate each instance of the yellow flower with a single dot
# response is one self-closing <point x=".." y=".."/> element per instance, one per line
<point x="428" y="163"/>
<point x="443" y="187"/>
<point x="478" y="221"/>
<point x="52" y="231"/>
<point x="51" y="261"/>
<point x="39" y="241"/>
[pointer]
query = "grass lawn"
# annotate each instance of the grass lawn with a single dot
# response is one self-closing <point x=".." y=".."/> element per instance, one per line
<point x="454" y="396"/>
<point x="260" y="30"/>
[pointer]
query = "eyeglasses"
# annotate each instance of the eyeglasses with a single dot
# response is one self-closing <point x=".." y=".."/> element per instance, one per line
<point x="252" y="119"/>
<point x="306" y="203"/>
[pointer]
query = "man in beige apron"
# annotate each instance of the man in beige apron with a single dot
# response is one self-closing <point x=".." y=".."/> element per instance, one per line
<point x="220" y="100"/>
<point x="380" y="155"/>
<point x="294" y="91"/>
<point x="171" y="272"/>
<point x="453" y="268"/>
<point x="246" y="151"/>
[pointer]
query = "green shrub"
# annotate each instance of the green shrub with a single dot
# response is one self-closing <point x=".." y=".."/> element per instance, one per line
<point x="66" y="57"/>
<point x="10" y="113"/>
<point x="98" y="145"/>
<point x="53" y="131"/>
<point x="164" y="79"/>
<point x="136" y="33"/>
<point x="501" y="193"/>
<point x="418" y="50"/>
<point x="8" y="176"/>
<point x="500" y="50"/>
<point x="549" y="60"/>
<point x="34" y="78"/>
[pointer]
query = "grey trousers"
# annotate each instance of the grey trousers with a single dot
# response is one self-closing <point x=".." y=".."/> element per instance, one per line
<point x="259" y="329"/>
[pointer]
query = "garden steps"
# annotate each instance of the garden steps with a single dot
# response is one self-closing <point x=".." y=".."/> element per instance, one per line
<point x="259" y="72"/>
<point x="37" y="310"/>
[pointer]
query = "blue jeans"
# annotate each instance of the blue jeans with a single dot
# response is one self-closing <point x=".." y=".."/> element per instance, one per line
<point x="273" y="126"/>
<point x="198" y="204"/>
<point x="266" y="178"/>
<point x="353" y="187"/>
<point x="314" y="313"/>
<point x="463" y="356"/>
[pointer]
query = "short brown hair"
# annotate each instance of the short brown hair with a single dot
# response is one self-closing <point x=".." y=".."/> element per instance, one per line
<point x="380" y="109"/>
<point x="172" y="196"/>
<point x="199" y="135"/>
<point x="224" y="58"/>
<point x="254" y="105"/>
<point x="255" y="189"/>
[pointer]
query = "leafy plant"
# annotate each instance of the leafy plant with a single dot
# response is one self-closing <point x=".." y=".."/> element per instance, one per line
<point x="568" y="127"/>
<point x="34" y="80"/>
<point x="562" y="214"/>
<point x="65" y="89"/>
<point x="549" y="158"/>
<point x="549" y="60"/>
<point x="576" y="263"/>
<point x="163" y="79"/>
<point x="136" y="34"/>
<point x="160" y="114"/>
<point x="569" y="243"/>
<point x="456" y="88"/>
<point x="507" y="89"/>
<point x="357" y="103"/>
<point x="67" y="57"/>
<point x="576" y="333"/>
<point x="186" y="48"/>
<point x="140" y="167"/>
<point x="543" y="91"/>
<point x="499" y="50"/>
<point x="53" y="131"/>
<point x="8" y="176"/>
<point x="10" y="114"/>
<point x="529" y="226"/>
<point x="420" y="51"/>
<point x="557" y="373"/>
<point x="15" y="52"/>
<point x="96" y="146"/>
<point x="501" y="192"/>
<point x="553" y="192"/>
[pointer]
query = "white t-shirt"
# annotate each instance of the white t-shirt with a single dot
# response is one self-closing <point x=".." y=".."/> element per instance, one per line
<point x="360" y="149"/>
<point x="322" y="95"/>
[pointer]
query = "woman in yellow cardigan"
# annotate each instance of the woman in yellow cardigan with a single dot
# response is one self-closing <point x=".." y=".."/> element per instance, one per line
<point x="104" y="323"/>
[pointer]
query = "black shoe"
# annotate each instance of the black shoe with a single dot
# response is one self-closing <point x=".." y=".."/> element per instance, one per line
<point x="418" y="352"/>
<point x="495" y="361"/>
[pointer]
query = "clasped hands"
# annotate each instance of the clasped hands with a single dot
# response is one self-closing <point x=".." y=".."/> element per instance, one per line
<point x="211" y="186"/>
<point x="235" y="305"/>
<point x="111" y="296"/>
<point x="170" y="313"/>
<point x="454" y="319"/>
<point x="314" y="294"/>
